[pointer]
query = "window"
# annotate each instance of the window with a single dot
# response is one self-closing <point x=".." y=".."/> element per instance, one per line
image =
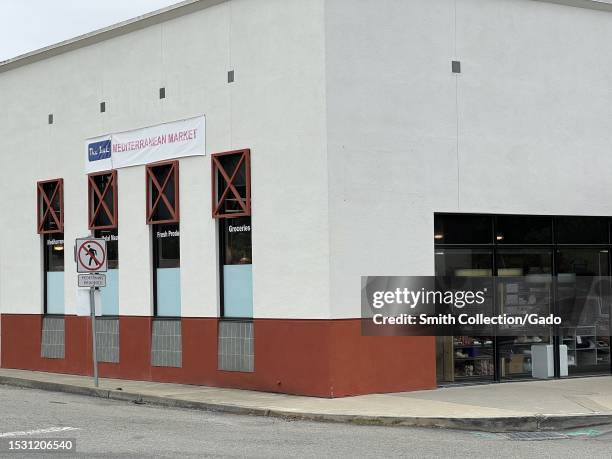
<point x="163" y="193"/>
<point x="112" y="246"/>
<point x="167" y="246"/>
<point x="464" y="358"/>
<point x="167" y="270"/>
<point x="163" y="216"/>
<point x="110" y="293"/>
<point x="237" y="276"/>
<point x="231" y="183"/>
<point x="463" y="229"/>
<point x="231" y="193"/>
<point x="103" y="213"/>
<point x="571" y="251"/>
<point x="237" y="241"/>
<point x="50" y="212"/>
<point x="54" y="273"/>
<point x="520" y="229"/>
<point x="103" y="200"/>
<point x="50" y="206"/>
<point x="582" y="230"/>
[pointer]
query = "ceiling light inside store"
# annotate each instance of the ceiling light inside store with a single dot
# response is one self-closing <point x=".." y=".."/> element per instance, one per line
<point x="499" y="237"/>
<point x="438" y="236"/>
<point x="58" y="248"/>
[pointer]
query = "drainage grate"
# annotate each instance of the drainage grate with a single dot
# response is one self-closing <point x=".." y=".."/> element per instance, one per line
<point x="535" y="436"/>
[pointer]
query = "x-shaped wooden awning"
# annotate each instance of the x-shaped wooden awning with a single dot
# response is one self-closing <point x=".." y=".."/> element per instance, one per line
<point x="161" y="188"/>
<point x="229" y="190"/>
<point x="46" y="196"/>
<point x="102" y="206"/>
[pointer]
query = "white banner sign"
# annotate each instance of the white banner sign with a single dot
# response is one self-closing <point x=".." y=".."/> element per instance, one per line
<point x="147" y="145"/>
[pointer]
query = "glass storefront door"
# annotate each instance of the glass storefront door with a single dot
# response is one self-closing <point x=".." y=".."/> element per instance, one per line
<point x="465" y="358"/>
<point x="525" y="289"/>
<point x="584" y="295"/>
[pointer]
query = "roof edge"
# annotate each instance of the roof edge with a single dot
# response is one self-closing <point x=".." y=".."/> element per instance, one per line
<point x="115" y="30"/>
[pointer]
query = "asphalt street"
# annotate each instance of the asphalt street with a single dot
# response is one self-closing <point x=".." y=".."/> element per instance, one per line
<point x="105" y="428"/>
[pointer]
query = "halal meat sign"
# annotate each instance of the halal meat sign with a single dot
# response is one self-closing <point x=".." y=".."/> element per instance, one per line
<point x="91" y="255"/>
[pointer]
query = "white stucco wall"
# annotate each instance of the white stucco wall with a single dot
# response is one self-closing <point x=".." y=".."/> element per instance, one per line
<point x="274" y="107"/>
<point x="523" y="129"/>
<point x="358" y="129"/>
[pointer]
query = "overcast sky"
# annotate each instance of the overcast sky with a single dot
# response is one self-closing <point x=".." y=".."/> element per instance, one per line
<point x="26" y="25"/>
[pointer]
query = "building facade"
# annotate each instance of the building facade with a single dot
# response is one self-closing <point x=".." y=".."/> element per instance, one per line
<point x="353" y="127"/>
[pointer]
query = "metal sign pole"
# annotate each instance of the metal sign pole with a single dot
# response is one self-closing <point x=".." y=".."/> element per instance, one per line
<point x="91" y="258"/>
<point x="92" y="305"/>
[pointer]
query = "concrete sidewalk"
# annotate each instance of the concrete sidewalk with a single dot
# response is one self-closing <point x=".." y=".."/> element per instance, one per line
<point x="522" y="406"/>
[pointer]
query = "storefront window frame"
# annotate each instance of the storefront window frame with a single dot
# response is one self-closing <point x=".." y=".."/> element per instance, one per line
<point x="222" y="257"/>
<point x="46" y="265"/>
<point x="218" y="198"/>
<point x="44" y="208"/>
<point x="497" y="245"/>
<point x="155" y="265"/>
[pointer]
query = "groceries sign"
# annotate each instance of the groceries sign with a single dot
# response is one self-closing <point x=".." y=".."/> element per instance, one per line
<point x="147" y="145"/>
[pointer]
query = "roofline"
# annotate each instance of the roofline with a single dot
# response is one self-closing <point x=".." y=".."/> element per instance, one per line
<point x="175" y="11"/>
<point x="112" y="31"/>
<point x="601" y="5"/>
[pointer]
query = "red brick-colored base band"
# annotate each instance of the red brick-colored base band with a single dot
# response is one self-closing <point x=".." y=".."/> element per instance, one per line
<point x="325" y="358"/>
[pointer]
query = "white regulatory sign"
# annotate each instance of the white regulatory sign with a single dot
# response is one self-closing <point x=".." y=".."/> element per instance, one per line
<point x="90" y="254"/>
<point x="92" y="280"/>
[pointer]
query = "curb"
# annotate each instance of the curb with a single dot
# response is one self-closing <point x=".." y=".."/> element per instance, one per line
<point x="485" y="424"/>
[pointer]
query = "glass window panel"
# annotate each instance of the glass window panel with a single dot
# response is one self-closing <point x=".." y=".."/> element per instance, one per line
<point x="237" y="238"/>
<point x="584" y="300"/>
<point x="167" y="239"/>
<point x="54" y="273"/>
<point x="168" y="298"/>
<point x="463" y="229"/>
<point x="583" y="262"/>
<point x="464" y="358"/>
<point x="523" y="262"/>
<point x="464" y="262"/>
<point x="110" y="293"/>
<point x="238" y="291"/>
<point x="520" y="229"/>
<point x="519" y="297"/>
<point x="112" y="246"/>
<point x="582" y="230"/>
<point x="54" y="252"/>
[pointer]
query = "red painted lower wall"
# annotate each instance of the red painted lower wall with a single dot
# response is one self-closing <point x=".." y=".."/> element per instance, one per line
<point x="326" y="358"/>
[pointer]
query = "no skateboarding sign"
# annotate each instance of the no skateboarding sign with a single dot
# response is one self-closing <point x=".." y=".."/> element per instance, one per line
<point x="91" y="255"/>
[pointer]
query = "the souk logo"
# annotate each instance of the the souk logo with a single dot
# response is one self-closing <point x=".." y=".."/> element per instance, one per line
<point x="99" y="150"/>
